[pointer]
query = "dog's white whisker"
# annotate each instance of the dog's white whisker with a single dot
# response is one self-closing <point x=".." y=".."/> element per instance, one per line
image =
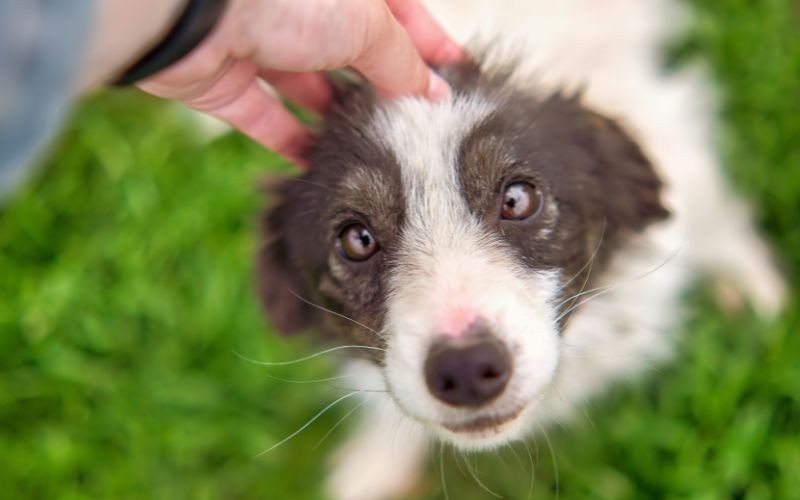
<point x="477" y="479"/>
<point x="634" y="360"/>
<point x="310" y="183"/>
<point x="533" y="470"/>
<point x="312" y="381"/>
<point x="515" y="455"/>
<point x="377" y="391"/>
<point x="338" y="423"/>
<point x="555" y="462"/>
<point x="587" y="292"/>
<point x="589" y="263"/>
<point x="600" y="292"/>
<point x="395" y="432"/>
<point x="609" y="288"/>
<point x="456" y="455"/>
<point x="431" y="450"/>
<point x="500" y="457"/>
<point x="616" y="285"/>
<point x="591" y="355"/>
<point x="535" y="446"/>
<point x="442" y="472"/>
<point x="334" y="313"/>
<point x="584" y="407"/>
<point x="591" y="266"/>
<point x="513" y="450"/>
<point x="305" y="358"/>
<point x="622" y="317"/>
<point x="305" y="426"/>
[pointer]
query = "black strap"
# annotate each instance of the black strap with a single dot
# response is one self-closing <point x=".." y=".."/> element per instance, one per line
<point x="194" y="24"/>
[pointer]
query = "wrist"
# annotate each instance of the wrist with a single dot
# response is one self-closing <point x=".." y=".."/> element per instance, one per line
<point x="123" y="31"/>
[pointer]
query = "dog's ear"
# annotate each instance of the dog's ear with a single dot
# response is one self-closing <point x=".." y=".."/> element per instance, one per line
<point x="631" y="187"/>
<point x="281" y="274"/>
<point x="603" y="172"/>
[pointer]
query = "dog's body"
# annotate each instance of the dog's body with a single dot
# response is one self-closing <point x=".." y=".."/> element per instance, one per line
<point x="540" y="237"/>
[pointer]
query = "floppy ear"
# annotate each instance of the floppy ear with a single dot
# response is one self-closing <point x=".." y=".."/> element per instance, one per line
<point x="612" y="179"/>
<point x="631" y="186"/>
<point x="281" y="274"/>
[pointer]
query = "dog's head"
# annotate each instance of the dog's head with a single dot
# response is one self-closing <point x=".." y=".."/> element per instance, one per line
<point x="451" y="234"/>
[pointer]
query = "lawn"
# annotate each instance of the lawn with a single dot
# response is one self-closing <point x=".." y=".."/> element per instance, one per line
<point x="125" y="290"/>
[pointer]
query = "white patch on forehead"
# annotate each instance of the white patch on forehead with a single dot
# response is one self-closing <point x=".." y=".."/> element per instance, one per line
<point x="425" y="138"/>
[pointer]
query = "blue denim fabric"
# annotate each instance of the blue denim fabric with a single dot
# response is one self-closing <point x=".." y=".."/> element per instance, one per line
<point x="41" y="49"/>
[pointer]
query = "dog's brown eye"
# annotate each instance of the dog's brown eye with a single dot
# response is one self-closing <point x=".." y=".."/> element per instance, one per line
<point x="520" y="201"/>
<point x="356" y="243"/>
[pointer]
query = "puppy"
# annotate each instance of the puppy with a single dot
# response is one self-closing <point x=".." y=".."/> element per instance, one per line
<point x="507" y="253"/>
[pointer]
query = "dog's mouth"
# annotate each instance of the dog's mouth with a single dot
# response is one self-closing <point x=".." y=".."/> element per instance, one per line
<point x="483" y="424"/>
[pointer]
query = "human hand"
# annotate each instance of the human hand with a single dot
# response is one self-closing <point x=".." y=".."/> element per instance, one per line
<point x="288" y="43"/>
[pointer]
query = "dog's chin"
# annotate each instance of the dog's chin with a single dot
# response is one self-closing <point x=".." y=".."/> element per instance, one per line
<point x="485" y="432"/>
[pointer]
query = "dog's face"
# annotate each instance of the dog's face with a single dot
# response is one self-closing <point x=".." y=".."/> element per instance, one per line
<point x="454" y="235"/>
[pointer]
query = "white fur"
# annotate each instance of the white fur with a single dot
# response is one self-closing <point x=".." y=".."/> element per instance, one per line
<point x="610" y="48"/>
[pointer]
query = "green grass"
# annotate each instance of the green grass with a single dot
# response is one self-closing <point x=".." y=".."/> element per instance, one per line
<point x="125" y="288"/>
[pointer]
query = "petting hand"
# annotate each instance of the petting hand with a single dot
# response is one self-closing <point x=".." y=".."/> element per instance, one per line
<point x="288" y="43"/>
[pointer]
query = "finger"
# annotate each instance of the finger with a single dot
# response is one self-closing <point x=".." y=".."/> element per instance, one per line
<point x="433" y="43"/>
<point x="263" y="118"/>
<point x="237" y="98"/>
<point x="310" y="90"/>
<point x="390" y="61"/>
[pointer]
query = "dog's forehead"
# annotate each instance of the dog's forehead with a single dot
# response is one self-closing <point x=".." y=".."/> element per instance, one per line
<point x="424" y="139"/>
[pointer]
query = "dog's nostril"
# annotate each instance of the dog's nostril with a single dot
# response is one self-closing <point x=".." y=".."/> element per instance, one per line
<point x="468" y="372"/>
<point x="489" y="373"/>
<point x="448" y="384"/>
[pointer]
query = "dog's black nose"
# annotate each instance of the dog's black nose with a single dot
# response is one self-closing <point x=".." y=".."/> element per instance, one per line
<point x="467" y="371"/>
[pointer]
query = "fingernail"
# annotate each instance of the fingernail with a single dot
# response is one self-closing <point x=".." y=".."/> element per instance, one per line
<point x="438" y="89"/>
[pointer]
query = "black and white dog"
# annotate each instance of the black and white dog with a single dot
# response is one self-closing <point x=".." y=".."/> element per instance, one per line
<point x="511" y="251"/>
